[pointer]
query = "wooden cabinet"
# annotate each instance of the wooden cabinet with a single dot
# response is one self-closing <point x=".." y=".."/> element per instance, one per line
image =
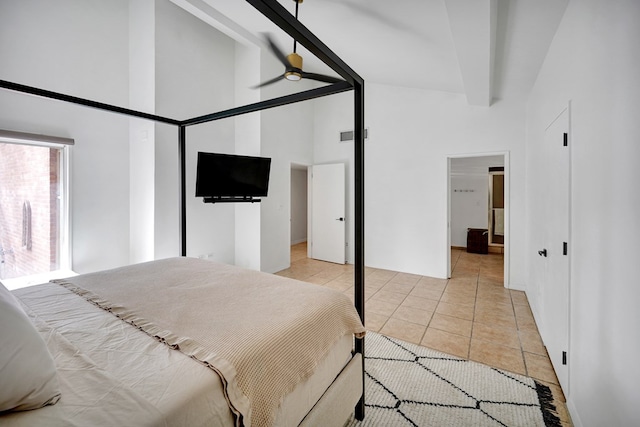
<point x="477" y="240"/>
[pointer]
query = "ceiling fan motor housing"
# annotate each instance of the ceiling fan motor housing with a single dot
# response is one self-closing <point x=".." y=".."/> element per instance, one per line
<point x="294" y="73"/>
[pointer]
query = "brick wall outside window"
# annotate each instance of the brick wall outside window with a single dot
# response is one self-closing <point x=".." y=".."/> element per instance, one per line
<point x="29" y="178"/>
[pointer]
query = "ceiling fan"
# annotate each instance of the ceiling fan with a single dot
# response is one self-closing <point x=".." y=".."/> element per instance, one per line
<point x="293" y="63"/>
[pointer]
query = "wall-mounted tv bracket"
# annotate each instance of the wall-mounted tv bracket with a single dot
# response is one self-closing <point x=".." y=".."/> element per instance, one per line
<point x="248" y="199"/>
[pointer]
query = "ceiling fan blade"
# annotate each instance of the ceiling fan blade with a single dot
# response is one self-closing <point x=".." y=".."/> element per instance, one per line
<point x="268" y="82"/>
<point x="277" y="52"/>
<point x="320" y="77"/>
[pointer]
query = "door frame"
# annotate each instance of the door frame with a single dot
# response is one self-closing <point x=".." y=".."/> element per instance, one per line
<point x="507" y="209"/>
<point x="302" y="167"/>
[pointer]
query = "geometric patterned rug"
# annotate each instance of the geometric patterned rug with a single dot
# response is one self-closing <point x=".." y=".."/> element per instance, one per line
<point x="409" y="385"/>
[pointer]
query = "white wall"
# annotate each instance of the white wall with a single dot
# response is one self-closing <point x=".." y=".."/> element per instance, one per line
<point x="78" y="47"/>
<point x="332" y="115"/>
<point x="247" y="142"/>
<point x="594" y="61"/>
<point x="178" y="67"/>
<point x="194" y="76"/>
<point x="82" y="48"/>
<point x="412" y="132"/>
<point x="469" y="194"/>
<point x="286" y="137"/>
<point x="142" y="87"/>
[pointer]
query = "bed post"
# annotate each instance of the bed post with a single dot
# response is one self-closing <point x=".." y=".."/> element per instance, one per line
<point x="275" y="12"/>
<point x="359" y="224"/>
<point x="182" y="167"/>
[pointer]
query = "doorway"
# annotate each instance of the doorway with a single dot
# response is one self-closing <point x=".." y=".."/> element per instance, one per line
<point x="318" y="210"/>
<point x="299" y="203"/>
<point x="473" y="205"/>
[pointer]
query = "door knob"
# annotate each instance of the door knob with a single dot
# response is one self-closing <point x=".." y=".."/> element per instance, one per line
<point x="543" y="253"/>
<point x="340" y="219"/>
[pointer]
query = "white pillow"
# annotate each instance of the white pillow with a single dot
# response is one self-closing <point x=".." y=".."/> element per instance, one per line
<point x="27" y="372"/>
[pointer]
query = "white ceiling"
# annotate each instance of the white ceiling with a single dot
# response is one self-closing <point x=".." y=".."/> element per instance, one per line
<point x="485" y="49"/>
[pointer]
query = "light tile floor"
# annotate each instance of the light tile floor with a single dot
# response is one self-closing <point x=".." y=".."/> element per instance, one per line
<point x="471" y="315"/>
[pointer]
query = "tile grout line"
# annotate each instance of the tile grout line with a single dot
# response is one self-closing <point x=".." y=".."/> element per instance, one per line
<point x="524" y="359"/>
<point x="434" y="313"/>
<point x="473" y="320"/>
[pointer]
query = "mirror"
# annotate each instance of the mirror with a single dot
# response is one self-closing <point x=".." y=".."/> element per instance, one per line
<point x="496" y="206"/>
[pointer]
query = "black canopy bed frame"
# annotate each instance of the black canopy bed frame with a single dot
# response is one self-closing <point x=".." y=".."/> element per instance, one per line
<point x="275" y="12"/>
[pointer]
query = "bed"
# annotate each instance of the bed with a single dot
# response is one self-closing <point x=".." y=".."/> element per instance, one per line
<point x="180" y="341"/>
<point x="101" y="379"/>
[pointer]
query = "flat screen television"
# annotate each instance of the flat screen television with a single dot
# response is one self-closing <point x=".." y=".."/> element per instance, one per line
<point x="232" y="176"/>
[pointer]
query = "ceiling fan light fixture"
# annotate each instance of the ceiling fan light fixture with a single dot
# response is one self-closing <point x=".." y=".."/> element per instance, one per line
<point x="293" y="76"/>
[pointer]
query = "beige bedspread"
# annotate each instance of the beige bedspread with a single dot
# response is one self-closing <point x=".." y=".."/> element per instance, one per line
<point x="261" y="333"/>
<point x="112" y="374"/>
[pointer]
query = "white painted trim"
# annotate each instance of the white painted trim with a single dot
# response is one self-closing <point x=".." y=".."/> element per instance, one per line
<point x="570" y="251"/>
<point x="25" y="138"/>
<point x="66" y="236"/>
<point x="448" y="266"/>
<point x="573" y="413"/>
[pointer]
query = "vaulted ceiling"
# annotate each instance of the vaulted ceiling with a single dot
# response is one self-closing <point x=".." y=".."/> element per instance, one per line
<point x="485" y="49"/>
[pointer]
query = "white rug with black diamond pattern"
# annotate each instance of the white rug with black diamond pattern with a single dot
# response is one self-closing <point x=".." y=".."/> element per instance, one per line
<point x="409" y="385"/>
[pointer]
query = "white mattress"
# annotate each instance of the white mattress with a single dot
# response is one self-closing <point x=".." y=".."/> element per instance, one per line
<point x="109" y="372"/>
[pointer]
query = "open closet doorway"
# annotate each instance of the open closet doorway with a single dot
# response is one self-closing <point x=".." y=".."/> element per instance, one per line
<point x="478" y="206"/>
<point x="299" y="205"/>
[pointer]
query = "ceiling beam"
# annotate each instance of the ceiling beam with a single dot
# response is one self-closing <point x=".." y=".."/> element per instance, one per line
<point x="219" y="21"/>
<point x="473" y="27"/>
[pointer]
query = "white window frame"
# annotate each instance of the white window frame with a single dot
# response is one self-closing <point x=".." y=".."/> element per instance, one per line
<point x="64" y="193"/>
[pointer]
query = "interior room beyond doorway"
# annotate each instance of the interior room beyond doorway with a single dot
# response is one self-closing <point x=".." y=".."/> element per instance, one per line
<point x="478" y="205"/>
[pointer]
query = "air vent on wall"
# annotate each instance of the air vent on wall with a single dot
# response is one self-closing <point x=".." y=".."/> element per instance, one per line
<point x="348" y="135"/>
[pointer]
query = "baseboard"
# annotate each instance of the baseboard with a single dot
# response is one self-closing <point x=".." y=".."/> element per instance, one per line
<point x="496" y="249"/>
<point x="295" y="242"/>
<point x="573" y="412"/>
<point x="492" y="249"/>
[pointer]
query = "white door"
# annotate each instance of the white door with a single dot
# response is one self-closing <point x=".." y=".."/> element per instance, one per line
<point x="328" y="213"/>
<point x="556" y="236"/>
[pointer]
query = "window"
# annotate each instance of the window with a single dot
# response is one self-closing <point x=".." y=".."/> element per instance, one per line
<point x="34" y="232"/>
